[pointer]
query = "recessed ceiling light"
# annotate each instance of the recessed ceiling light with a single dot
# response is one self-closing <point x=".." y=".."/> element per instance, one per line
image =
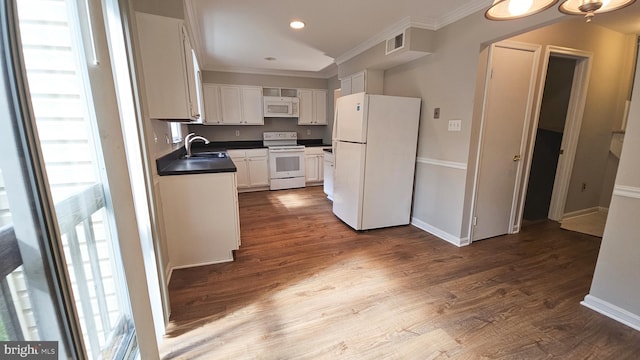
<point x="296" y="24"/>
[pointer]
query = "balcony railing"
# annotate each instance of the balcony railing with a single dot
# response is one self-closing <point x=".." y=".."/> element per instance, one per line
<point x="76" y="221"/>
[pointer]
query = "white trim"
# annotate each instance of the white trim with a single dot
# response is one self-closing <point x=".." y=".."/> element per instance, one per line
<point x="443" y="163"/>
<point x="328" y="72"/>
<point x="461" y="12"/>
<point x="581" y="212"/>
<point x="201" y="264"/>
<point x="612" y="311"/>
<point x="168" y="271"/>
<point x="452" y="239"/>
<point x="627" y="191"/>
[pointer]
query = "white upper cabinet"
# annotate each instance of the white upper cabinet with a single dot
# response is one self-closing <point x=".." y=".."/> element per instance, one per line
<point x="252" y="109"/>
<point x="211" y="99"/>
<point x="233" y="105"/>
<point x="320" y="107"/>
<point x="313" y="107"/>
<point x="170" y="75"/>
<point x="369" y="81"/>
<point x="305" y="113"/>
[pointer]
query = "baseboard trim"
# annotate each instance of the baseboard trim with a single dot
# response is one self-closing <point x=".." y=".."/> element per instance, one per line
<point x="442" y="163"/>
<point x="202" y="264"/>
<point x="612" y="311"/>
<point x="583" y="212"/>
<point x="452" y="239"/>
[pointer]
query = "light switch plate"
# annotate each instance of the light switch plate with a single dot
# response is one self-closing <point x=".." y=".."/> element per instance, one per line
<point x="455" y="125"/>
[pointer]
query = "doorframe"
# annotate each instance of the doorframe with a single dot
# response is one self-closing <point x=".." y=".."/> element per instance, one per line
<point x="571" y="134"/>
<point x="536" y="49"/>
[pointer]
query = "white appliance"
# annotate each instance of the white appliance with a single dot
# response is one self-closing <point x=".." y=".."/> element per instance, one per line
<point x="375" y="155"/>
<point x="275" y="106"/>
<point x="286" y="160"/>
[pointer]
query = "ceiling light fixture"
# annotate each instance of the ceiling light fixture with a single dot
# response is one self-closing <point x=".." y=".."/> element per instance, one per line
<point x="589" y="8"/>
<point x="515" y="9"/>
<point x="296" y="24"/>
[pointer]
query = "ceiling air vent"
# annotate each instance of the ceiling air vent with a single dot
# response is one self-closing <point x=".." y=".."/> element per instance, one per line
<point x="395" y="43"/>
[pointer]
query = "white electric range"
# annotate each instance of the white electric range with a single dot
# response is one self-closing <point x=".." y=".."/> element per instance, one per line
<point x="286" y="160"/>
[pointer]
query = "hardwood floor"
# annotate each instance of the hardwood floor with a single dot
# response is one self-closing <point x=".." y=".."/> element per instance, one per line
<point x="306" y="286"/>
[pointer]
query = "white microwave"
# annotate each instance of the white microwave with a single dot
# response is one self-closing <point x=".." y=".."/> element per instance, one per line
<point x="275" y="106"/>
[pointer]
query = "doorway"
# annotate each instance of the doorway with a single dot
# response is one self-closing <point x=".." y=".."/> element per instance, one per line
<point x="499" y="205"/>
<point x="548" y="139"/>
<point x="574" y="84"/>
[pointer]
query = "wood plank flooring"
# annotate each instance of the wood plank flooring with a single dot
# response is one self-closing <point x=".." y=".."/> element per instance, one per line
<point x="306" y="286"/>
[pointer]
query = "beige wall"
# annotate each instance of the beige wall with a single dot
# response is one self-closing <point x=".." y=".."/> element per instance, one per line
<point x="220" y="77"/>
<point x="168" y="8"/>
<point x="615" y="281"/>
<point x="254" y="133"/>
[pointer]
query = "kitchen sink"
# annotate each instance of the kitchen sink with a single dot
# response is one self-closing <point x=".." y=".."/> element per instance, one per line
<point x="209" y="155"/>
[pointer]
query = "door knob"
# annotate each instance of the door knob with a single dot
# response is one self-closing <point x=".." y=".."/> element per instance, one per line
<point x="516" y="158"/>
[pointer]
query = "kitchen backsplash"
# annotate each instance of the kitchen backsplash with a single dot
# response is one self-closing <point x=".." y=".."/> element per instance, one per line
<point x="248" y="132"/>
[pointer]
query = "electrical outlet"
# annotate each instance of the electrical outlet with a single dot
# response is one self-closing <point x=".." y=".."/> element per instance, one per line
<point x="436" y="113"/>
<point x="308" y="131"/>
<point x="455" y="125"/>
<point x="583" y="188"/>
<point x="237" y="132"/>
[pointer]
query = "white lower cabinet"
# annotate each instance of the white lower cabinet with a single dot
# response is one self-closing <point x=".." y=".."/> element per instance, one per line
<point x="252" y="168"/>
<point x="328" y="175"/>
<point x="314" y="165"/>
<point x="201" y="218"/>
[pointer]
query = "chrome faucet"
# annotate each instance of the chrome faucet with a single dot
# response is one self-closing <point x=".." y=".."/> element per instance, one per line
<point x="191" y="138"/>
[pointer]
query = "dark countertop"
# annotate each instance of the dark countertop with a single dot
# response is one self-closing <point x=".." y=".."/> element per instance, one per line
<point x="228" y="145"/>
<point x="312" y="142"/>
<point x="174" y="163"/>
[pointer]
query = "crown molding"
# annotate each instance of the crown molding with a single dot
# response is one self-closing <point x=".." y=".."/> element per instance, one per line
<point x="462" y="12"/>
<point x="328" y="72"/>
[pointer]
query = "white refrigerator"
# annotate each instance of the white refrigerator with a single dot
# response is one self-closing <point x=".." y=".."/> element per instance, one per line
<point x="375" y="141"/>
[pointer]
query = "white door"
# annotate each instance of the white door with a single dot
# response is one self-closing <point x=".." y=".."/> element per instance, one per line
<point x="352" y="122"/>
<point x="348" y="187"/>
<point x="507" y="110"/>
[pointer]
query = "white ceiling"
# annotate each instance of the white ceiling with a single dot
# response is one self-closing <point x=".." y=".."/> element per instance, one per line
<point x="237" y="35"/>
